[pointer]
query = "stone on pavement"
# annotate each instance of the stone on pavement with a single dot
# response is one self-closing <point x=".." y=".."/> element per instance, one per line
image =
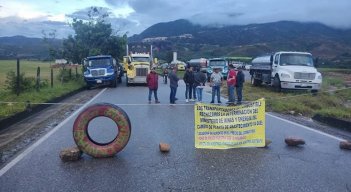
<point x="164" y="147"/>
<point x="345" y="145"/>
<point x="268" y="142"/>
<point x="294" y="141"/>
<point x="70" y="154"/>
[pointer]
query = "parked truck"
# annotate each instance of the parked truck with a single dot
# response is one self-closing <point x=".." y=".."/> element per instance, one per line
<point x="220" y="63"/>
<point x="102" y="70"/>
<point x="286" y="70"/>
<point x="137" y="67"/>
<point x="200" y="64"/>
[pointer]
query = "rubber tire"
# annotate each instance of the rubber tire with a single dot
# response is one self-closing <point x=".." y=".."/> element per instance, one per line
<point x="255" y="82"/>
<point x="127" y="84"/>
<point x="114" y="83"/>
<point x="93" y="148"/>
<point x="276" y="84"/>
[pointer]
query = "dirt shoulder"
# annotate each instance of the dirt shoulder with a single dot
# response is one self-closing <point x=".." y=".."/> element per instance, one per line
<point x="19" y="136"/>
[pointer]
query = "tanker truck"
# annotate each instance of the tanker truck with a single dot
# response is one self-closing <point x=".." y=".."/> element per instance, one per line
<point x="286" y="70"/>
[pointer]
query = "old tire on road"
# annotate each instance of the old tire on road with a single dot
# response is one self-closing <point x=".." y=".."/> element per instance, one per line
<point x="93" y="148"/>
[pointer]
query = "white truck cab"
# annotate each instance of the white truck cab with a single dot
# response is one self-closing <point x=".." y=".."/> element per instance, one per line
<point x="286" y="70"/>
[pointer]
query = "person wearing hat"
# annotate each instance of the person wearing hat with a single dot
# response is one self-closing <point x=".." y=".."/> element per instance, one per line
<point x="216" y="83"/>
<point x="152" y="83"/>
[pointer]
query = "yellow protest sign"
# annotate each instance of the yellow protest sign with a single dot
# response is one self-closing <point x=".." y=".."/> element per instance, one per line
<point x="224" y="127"/>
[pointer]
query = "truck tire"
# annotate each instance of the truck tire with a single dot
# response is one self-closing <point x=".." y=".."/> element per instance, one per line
<point x="114" y="83"/>
<point x="93" y="148"/>
<point x="255" y="82"/>
<point x="127" y="84"/>
<point x="276" y="84"/>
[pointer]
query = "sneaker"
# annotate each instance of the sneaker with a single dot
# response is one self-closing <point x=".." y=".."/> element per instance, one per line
<point x="219" y="102"/>
<point x="192" y="99"/>
<point x="157" y="102"/>
<point x="187" y="100"/>
<point x="212" y="101"/>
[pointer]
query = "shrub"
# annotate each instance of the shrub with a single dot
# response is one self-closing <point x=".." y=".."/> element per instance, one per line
<point x="25" y="83"/>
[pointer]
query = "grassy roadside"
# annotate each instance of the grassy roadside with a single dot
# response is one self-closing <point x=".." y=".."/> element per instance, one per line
<point x="327" y="102"/>
<point x="45" y="94"/>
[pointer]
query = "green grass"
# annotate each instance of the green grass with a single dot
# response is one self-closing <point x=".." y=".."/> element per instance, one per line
<point x="29" y="68"/>
<point x="336" y="70"/>
<point x="45" y="94"/>
<point x="330" y="104"/>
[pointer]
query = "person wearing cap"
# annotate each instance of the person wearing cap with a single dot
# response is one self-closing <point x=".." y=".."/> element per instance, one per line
<point x="216" y="83"/>
<point x="231" y="82"/>
<point x="152" y="83"/>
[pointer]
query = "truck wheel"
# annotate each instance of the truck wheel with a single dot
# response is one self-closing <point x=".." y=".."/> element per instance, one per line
<point x="114" y="83"/>
<point x="276" y="84"/>
<point x="88" y="87"/>
<point x="255" y="82"/>
<point x="127" y="84"/>
<point x="93" y="148"/>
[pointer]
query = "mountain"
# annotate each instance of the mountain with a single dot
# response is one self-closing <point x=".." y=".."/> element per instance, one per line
<point x="192" y="41"/>
<point x="11" y="47"/>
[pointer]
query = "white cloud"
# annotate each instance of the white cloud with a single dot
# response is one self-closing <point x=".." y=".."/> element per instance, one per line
<point x="135" y="16"/>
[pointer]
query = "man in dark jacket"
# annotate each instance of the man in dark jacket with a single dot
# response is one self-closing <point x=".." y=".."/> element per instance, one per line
<point x="173" y="84"/>
<point x="189" y="82"/>
<point x="240" y="79"/>
<point x="152" y="83"/>
<point x="199" y="84"/>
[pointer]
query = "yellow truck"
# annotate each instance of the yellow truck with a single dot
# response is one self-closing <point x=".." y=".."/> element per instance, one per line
<point x="137" y="66"/>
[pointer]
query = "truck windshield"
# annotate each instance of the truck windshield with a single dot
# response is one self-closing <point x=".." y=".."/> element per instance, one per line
<point x="218" y="63"/>
<point x="101" y="62"/>
<point x="141" y="59"/>
<point x="296" y="59"/>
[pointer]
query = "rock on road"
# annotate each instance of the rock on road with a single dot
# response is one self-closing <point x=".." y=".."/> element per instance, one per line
<point x="318" y="166"/>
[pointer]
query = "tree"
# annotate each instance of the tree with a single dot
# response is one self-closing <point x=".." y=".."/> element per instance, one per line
<point x="93" y="36"/>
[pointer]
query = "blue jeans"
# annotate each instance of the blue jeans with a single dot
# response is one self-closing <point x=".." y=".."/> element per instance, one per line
<point x="239" y="93"/>
<point x="188" y="91"/>
<point x="155" y="94"/>
<point x="199" y="93"/>
<point x="216" y="90"/>
<point x="194" y="91"/>
<point x="172" y="94"/>
<point x="231" y="97"/>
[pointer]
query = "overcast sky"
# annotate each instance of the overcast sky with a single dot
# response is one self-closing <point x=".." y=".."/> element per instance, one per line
<point x="30" y="17"/>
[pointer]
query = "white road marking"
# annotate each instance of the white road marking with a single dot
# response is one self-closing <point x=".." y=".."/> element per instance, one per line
<point x="307" y="128"/>
<point x="41" y="140"/>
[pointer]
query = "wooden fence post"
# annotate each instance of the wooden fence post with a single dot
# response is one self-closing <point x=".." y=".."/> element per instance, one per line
<point x="18" y="77"/>
<point x="38" y="79"/>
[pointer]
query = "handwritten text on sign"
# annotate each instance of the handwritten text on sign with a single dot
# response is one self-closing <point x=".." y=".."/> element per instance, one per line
<point x="222" y="127"/>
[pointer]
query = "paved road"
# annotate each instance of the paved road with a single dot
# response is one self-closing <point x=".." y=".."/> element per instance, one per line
<point x="318" y="166"/>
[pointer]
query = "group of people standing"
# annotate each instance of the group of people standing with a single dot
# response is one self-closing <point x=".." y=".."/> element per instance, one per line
<point x="195" y="82"/>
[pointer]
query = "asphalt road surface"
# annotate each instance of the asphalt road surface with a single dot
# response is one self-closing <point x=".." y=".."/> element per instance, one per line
<point x="318" y="166"/>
